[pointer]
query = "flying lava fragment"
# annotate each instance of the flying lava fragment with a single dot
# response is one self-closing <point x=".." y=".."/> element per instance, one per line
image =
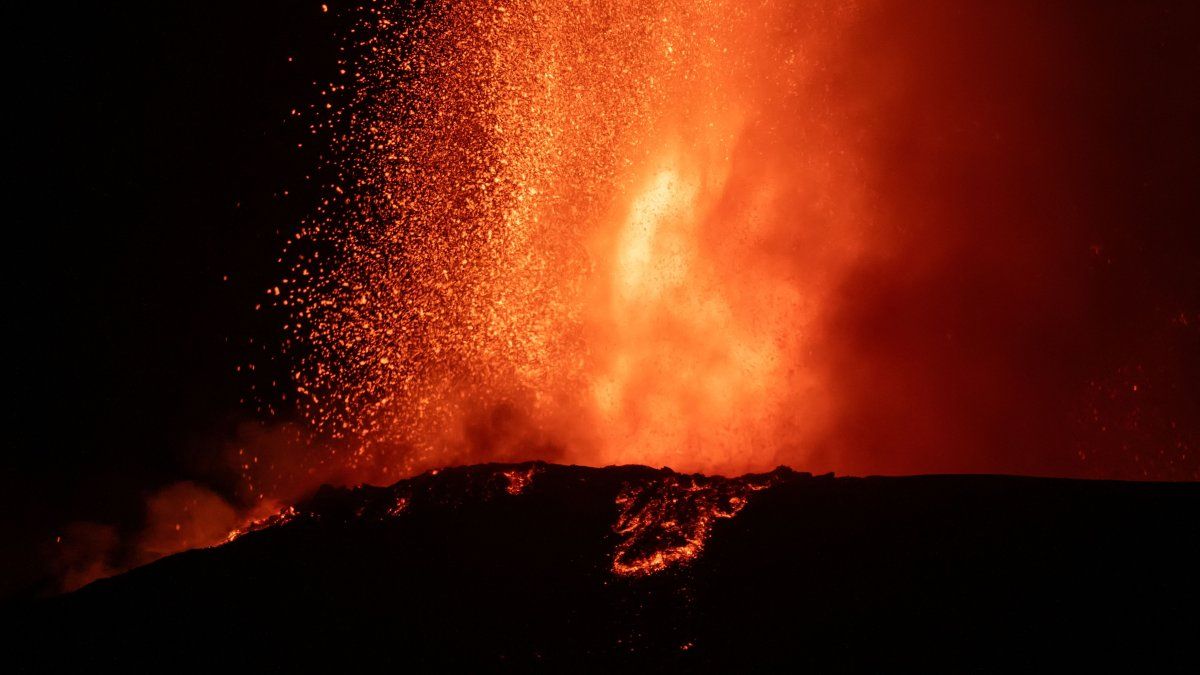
<point x="600" y="232"/>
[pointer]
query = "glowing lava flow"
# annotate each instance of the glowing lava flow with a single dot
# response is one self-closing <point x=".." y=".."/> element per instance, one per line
<point x="283" y="517"/>
<point x="667" y="523"/>
<point x="518" y="480"/>
<point x="664" y="519"/>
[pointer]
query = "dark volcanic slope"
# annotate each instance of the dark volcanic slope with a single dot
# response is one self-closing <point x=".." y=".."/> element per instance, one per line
<point x="478" y="567"/>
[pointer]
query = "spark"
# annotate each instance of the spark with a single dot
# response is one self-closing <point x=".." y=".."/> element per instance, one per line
<point x="542" y="236"/>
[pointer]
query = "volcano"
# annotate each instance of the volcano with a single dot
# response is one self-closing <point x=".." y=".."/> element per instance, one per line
<point x="540" y="566"/>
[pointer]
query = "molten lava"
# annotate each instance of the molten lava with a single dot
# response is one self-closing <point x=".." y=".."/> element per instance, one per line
<point x="662" y="519"/>
<point x="668" y="522"/>
<point x="518" y="480"/>
<point x="284" y="516"/>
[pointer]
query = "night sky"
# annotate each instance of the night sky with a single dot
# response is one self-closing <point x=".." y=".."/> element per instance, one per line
<point x="152" y="146"/>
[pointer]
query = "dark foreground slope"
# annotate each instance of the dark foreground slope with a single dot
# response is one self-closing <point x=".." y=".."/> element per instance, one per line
<point x="512" y="567"/>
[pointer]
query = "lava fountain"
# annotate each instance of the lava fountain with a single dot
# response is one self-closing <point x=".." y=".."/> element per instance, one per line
<point x="599" y="232"/>
<point x="861" y="236"/>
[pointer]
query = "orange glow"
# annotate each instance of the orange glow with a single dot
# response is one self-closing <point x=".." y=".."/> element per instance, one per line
<point x="599" y="233"/>
<point x="667" y="523"/>
<point x="279" y="518"/>
<point x="861" y="236"/>
<point x="518" y="480"/>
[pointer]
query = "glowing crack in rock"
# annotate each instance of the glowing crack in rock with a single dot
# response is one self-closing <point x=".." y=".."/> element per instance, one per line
<point x="282" y="517"/>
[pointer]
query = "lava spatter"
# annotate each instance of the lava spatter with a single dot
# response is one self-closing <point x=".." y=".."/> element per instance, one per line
<point x="282" y="517"/>
<point x="582" y="224"/>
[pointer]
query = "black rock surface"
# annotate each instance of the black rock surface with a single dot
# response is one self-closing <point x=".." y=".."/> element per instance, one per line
<point x="475" y="568"/>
